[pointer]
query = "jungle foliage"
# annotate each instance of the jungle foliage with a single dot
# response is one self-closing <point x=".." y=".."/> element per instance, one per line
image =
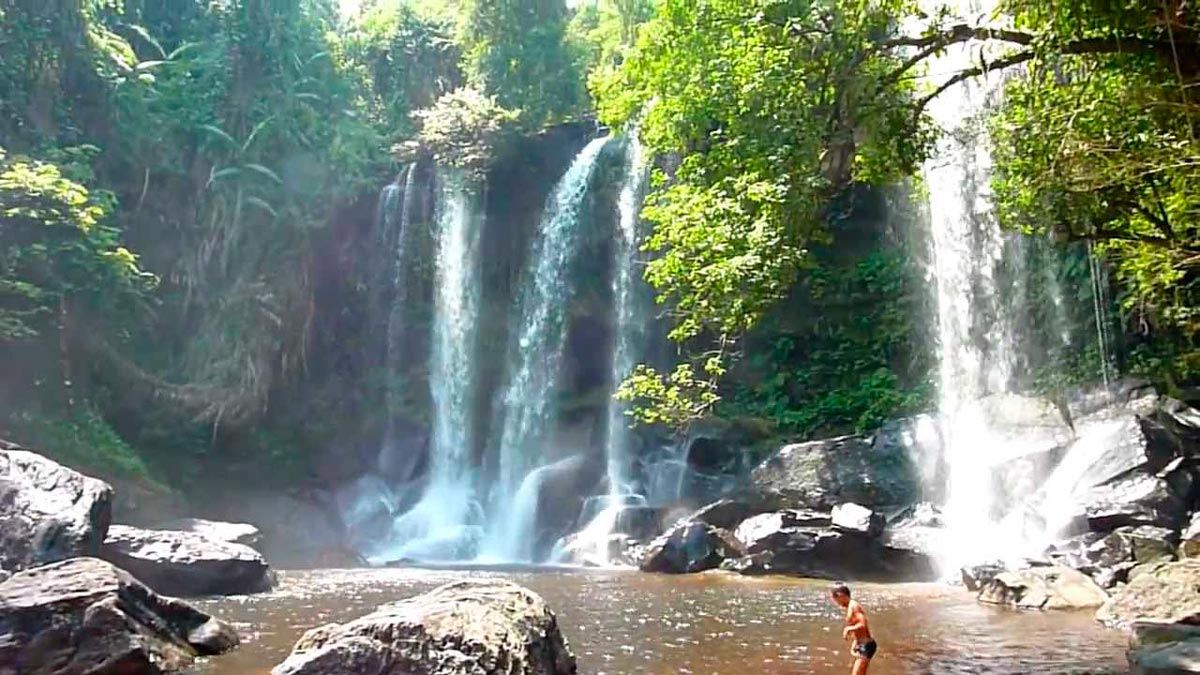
<point x="776" y="107"/>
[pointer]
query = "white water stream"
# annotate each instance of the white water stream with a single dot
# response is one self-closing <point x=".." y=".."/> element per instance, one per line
<point x="535" y="355"/>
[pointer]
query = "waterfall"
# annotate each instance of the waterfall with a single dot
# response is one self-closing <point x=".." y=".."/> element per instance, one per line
<point x="444" y="525"/>
<point x="537" y="335"/>
<point x="976" y="343"/>
<point x="390" y="460"/>
<point x="630" y="316"/>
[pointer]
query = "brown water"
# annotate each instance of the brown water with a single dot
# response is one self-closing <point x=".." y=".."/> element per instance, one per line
<point x="706" y="624"/>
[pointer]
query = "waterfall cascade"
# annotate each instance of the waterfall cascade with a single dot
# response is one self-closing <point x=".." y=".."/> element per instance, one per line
<point x="445" y="522"/>
<point x="630" y="318"/>
<point x="535" y="353"/>
<point x="994" y="506"/>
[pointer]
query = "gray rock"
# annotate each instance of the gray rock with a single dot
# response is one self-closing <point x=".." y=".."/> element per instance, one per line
<point x="463" y="628"/>
<point x="1189" y="546"/>
<point x="1150" y="544"/>
<point x="1043" y="588"/>
<point x="851" y="517"/>
<point x="47" y="511"/>
<point x="234" y="533"/>
<point x="186" y="564"/>
<point x="1162" y="592"/>
<point x="85" y="616"/>
<point x="1135" y="500"/>
<point x="975" y="577"/>
<point x="726" y="514"/>
<point x="821" y="474"/>
<point x="770" y="531"/>
<point x="1176" y="658"/>
<point x="796" y="546"/>
<point x="689" y="547"/>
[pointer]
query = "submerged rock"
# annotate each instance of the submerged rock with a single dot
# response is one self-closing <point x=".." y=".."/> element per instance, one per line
<point x="1168" y="592"/>
<point x="689" y="547"/>
<point x="47" y="511"/>
<point x="234" y="533"/>
<point x="1043" y="588"/>
<point x="467" y="627"/>
<point x="186" y="564"/>
<point x="85" y="616"/>
<point x="1175" y="658"/>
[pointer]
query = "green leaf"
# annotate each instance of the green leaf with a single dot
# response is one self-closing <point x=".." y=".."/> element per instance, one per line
<point x="220" y="134"/>
<point x="216" y="175"/>
<point x="264" y="171"/>
<point x="262" y="204"/>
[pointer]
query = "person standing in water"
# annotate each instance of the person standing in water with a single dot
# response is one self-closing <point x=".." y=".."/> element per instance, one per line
<point x="863" y="645"/>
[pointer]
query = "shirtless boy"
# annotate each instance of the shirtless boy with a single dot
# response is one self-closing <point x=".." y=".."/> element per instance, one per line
<point x="863" y="645"/>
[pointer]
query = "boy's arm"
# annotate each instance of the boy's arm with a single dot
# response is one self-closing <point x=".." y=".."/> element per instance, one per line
<point x="855" y="621"/>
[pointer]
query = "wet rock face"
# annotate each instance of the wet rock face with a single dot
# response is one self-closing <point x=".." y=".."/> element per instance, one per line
<point x="1043" y="588"/>
<point x="467" y="628"/>
<point x="234" y="533"/>
<point x="689" y="547"/>
<point x="1139" y="499"/>
<point x="85" y="616"/>
<point x="185" y="564"/>
<point x="822" y="474"/>
<point x="47" y="511"/>
<point x="1168" y="592"/>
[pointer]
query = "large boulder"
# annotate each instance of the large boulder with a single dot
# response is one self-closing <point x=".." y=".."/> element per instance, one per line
<point x="1043" y="588"/>
<point x="726" y="514"/>
<point x="85" y="616"/>
<point x="771" y="531"/>
<point x="689" y="547"/>
<point x="466" y="627"/>
<point x="822" y="474"/>
<point x="47" y="511"/>
<point x="234" y="533"/>
<point x="804" y="543"/>
<point x="186" y="564"/>
<point x="1168" y="592"/>
<point x="1134" y="500"/>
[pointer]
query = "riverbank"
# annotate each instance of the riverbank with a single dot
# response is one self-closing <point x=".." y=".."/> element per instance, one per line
<point x="713" y="623"/>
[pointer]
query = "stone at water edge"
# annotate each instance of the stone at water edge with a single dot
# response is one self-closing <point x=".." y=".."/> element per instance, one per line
<point x="768" y="531"/>
<point x="854" y="518"/>
<point x="1177" y="658"/>
<point x="1189" y="545"/>
<point x="975" y="577"/>
<point x="466" y="627"/>
<point x="1043" y="588"/>
<point x="688" y="548"/>
<point x="234" y="533"/>
<point x="47" y="511"/>
<point x="185" y="564"/>
<point x="85" y="616"/>
<point x="1165" y="592"/>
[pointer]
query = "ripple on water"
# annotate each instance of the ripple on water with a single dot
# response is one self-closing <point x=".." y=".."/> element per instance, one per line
<point x="624" y="623"/>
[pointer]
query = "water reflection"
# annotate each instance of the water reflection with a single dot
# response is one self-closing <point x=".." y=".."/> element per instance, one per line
<point x="621" y="623"/>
